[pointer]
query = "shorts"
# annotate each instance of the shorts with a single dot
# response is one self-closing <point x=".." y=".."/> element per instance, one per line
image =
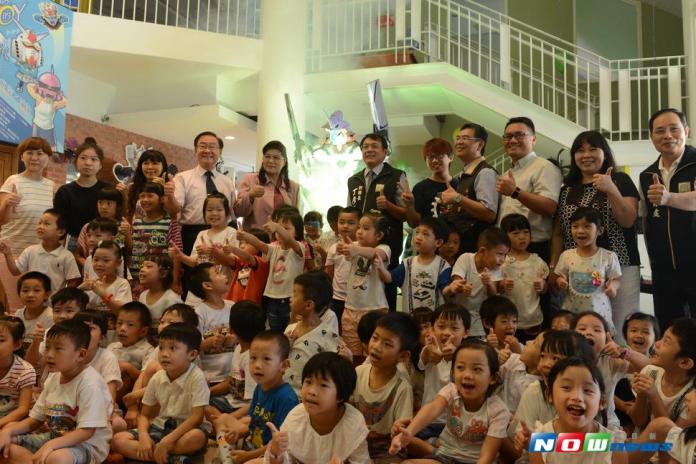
<point x="446" y="459"/>
<point x="158" y="433"/>
<point x="349" y="323"/>
<point x="222" y="404"/>
<point x="82" y="453"/>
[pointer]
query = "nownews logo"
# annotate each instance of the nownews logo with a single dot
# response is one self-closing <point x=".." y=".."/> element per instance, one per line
<point x="587" y="443"/>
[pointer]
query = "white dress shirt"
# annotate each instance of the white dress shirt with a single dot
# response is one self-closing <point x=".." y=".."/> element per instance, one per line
<point x="191" y="192"/>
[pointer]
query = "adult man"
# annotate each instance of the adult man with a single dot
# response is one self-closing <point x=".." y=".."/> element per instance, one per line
<point x="531" y="187"/>
<point x="192" y="186"/>
<point x="668" y="189"/>
<point x="474" y="203"/>
<point x="378" y="187"/>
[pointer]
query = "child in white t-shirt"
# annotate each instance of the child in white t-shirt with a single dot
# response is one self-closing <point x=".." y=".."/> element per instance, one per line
<point x="475" y="276"/>
<point x="74" y="405"/>
<point x="518" y="371"/>
<point x="476" y="419"/>
<point x="34" y="289"/>
<point x="210" y="283"/>
<point x="156" y="277"/>
<point x="588" y="273"/>
<point x="327" y="383"/>
<point x="100" y="230"/>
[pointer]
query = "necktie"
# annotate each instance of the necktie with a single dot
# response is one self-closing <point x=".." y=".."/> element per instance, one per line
<point x="370" y="178"/>
<point x="209" y="184"/>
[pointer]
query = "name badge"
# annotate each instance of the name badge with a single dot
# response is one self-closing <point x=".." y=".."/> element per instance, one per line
<point x="684" y="187"/>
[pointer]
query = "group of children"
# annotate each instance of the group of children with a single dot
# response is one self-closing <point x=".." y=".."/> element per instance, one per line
<point x="285" y="351"/>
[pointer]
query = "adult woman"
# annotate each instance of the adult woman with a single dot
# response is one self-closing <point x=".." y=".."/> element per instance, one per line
<point x="23" y="199"/>
<point x="593" y="182"/>
<point x="77" y="200"/>
<point x="152" y="166"/>
<point x="425" y="199"/>
<point x="260" y="193"/>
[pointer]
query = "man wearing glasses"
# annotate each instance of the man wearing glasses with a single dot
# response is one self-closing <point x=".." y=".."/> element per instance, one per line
<point x="192" y="186"/>
<point x="531" y="187"/>
<point x="475" y="201"/>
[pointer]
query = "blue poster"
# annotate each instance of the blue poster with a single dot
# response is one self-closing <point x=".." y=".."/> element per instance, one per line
<point x="34" y="66"/>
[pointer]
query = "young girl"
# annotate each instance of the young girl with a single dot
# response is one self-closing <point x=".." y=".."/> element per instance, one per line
<point x="34" y="289"/>
<point x="152" y="167"/>
<point x="640" y="331"/>
<point x="524" y="275"/>
<point x="588" y="273"/>
<point x="286" y="261"/>
<point x="109" y="206"/>
<point x="576" y="391"/>
<point x="17" y="377"/>
<point x="450" y="249"/>
<point x="156" y="280"/>
<point x="109" y="291"/>
<point x="612" y="361"/>
<point x="476" y="419"/>
<point x="365" y="289"/>
<point x="324" y="428"/>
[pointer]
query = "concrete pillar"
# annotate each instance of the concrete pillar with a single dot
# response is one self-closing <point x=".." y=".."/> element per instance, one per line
<point x="689" y="28"/>
<point x="284" y="30"/>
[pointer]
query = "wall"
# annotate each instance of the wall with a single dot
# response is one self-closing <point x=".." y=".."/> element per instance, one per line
<point x="602" y="33"/>
<point x="662" y="32"/>
<point x="552" y="16"/>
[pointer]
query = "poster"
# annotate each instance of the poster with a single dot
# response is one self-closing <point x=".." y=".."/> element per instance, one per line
<point x="34" y="65"/>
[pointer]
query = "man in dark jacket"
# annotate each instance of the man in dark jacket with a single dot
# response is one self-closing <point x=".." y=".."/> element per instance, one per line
<point x="668" y="188"/>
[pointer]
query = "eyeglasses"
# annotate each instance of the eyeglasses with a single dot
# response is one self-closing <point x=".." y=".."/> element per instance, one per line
<point x="436" y="156"/>
<point x="516" y="135"/>
<point x="273" y="158"/>
<point x="208" y="146"/>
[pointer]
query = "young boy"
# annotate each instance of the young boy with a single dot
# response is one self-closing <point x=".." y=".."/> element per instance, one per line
<point x="49" y="256"/>
<point x="210" y="283"/>
<point x="272" y="401"/>
<point x="499" y="316"/>
<point x="313" y="223"/>
<point x="252" y="272"/>
<point x="132" y="348"/>
<point x="233" y="395"/>
<point x="34" y="288"/>
<point x="423" y="317"/>
<point x="337" y="266"/>
<point x="475" y="275"/>
<point x="99" y="230"/>
<point x="152" y="233"/>
<point x="518" y="371"/>
<point x="422" y="277"/>
<point x="562" y="320"/>
<point x="171" y="425"/>
<point x="450" y="249"/>
<point x="74" y="405"/>
<point x="310" y="295"/>
<point x="330" y="237"/>
<point x="383" y="394"/>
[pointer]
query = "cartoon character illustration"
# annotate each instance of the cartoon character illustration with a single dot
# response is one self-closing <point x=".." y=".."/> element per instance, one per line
<point x="6" y="404"/>
<point x="4" y="47"/>
<point x="49" y="99"/>
<point x="27" y="53"/>
<point x="50" y="16"/>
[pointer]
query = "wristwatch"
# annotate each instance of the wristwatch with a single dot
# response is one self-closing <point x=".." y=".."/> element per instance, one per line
<point x="458" y="199"/>
<point x="515" y="193"/>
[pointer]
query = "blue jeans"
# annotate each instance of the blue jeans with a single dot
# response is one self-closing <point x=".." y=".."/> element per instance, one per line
<point x="278" y="313"/>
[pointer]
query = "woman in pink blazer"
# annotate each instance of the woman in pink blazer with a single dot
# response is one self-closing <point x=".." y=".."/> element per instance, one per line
<point x="262" y="192"/>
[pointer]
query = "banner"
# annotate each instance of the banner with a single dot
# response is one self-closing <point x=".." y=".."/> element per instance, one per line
<point x="34" y="65"/>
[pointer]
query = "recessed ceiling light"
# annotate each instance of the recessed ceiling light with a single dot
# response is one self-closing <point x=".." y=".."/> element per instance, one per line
<point x="229" y="137"/>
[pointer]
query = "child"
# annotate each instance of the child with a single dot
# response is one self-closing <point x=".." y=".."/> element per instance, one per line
<point x="452" y="323"/>
<point x="576" y="390"/>
<point x="74" y="406"/>
<point x="170" y="424"/>
<point x="310" y="335"/>
<point x="367" y="326"/>
<point x="49" y="256"/>
<point x="325" y="427"/>
<point x="383" y="394"/>
<point x="519" y="371"/>
<point x="612" y="361"/>
<point x="330" y="237"/>
<point x="450" y="249"/>
<point x="272" y="401"/>
<point x="209" y="283"/>
<point x="286" y="261"/>
<point x="562" y="320"/>
<point x="33" y="289"/>
<point x="423" y="317"/>
<point x="475" y="275"/>
<point x="234" y="393"/>
<point x="313" y="223"/>
<point x="132" y="348"/>
<point x="156" y="277"/>
<point x="661" y="387"/>
<point x="109" y="206"/>
<point x="476" y="419"/>
<point x="17" y="377"/>
<point x="422" y="277"/>
<point x="152" y="232"/>
<point x="590" y="274"/>
<point x="524" y="276"/>
<point x="337" y="266"/>
<point x="499" y="316"/>
<point x="364" y="288"/>
<point x="251" y="271"/>
<point x="100" y="230"/>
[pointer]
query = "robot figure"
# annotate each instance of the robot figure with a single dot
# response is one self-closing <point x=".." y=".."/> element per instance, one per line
<point x="50" y="16"/>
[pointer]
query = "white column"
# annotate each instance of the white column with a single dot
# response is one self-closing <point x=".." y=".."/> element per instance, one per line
<point x="605" y="119"/>
<point x="284" y="30"/>
<point x="689" y="28"/>
<point x="505" y="67"/>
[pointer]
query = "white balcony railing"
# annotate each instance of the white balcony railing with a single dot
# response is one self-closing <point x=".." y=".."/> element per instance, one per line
<point x="615" y="96"/>
<point x="232" y="17"/>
